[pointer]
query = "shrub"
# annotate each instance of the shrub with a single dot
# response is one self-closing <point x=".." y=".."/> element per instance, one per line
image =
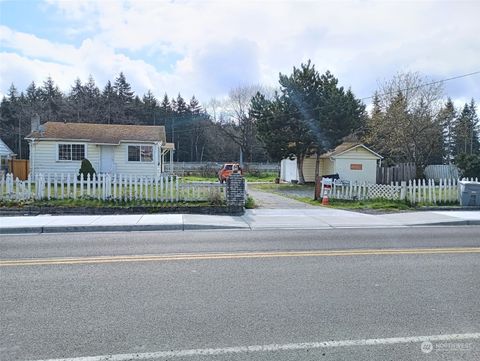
<point x="215" y="198"/>
<point x="86" y="168"/>
<point x="250" y="203"/>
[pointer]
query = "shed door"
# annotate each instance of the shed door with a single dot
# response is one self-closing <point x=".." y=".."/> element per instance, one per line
<point x="106" y="161"/>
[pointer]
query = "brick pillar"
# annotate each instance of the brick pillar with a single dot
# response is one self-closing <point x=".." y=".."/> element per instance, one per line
<point x="235" y="191"/>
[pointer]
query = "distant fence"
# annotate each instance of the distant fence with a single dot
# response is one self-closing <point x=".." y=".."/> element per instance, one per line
<point x="398" y="173"/>
<point x="443" y="171"/>
<point x="422" y="191"/>
<point x="116" y="187"/>
<point x="211" y="168"/>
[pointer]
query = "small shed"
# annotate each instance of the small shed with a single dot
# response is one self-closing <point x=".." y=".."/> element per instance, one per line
<point x="354" y="162"/>
<point x="5" y="155"/>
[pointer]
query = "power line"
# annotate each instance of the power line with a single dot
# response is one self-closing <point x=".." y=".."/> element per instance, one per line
<point x="426" y="84"/>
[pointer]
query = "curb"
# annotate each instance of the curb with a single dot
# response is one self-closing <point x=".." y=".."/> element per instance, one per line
<point x="453" y="223"/>
<point x="114" y="228"/>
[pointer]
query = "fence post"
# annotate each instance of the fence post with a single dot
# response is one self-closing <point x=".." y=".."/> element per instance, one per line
<point x="403" y="190"/>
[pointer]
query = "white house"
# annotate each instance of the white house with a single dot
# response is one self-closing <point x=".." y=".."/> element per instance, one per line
<point x="353" y="162"/>
<point x="57" y="147"/>
<point x="5" y="155"/>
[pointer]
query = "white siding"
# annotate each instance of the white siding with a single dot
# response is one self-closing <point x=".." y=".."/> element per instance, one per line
<point x="43" y="159"/>
<point x="44" y="154"/>
<point x="309" y="168"/>
<point x="359" y="155"/>
<point x="367" y="174"/>
<point x="123" y="166"/>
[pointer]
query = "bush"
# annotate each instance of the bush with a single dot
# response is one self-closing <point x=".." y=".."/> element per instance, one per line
<point x="86" y="168"/>
<point x="215" y="198"/>
<point x="250" y="203"/>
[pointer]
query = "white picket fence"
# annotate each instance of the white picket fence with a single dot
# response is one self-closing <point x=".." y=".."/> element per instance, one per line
<point x="115" y="187"/>
<point x="421" y="191"/>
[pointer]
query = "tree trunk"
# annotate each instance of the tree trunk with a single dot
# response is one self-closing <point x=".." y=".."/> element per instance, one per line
<point x="301" y="178"/>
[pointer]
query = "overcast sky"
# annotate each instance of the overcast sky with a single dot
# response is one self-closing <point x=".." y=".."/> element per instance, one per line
<point x="208" y="47"/>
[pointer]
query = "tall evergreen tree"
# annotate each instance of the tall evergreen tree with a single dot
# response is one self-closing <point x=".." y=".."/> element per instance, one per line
<point x="109" y="100"/>
<point x="447" y="118"/>
<point x="466" y="131"/>
<point x="150" y="109"/>
<point x="52" y="100"/>
<point x="124" y="99"/>
<point x="92" y="100"/>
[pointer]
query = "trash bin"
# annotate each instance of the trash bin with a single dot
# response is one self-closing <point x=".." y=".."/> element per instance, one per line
<point x="469" y="193"/>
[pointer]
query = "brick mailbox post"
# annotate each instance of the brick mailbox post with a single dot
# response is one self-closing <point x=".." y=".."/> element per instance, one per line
<point x="236" y="191"/>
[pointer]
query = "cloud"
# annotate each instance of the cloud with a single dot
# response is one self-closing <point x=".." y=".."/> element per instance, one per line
<point x="221" y="65"/>
<point x="219" y="45"/>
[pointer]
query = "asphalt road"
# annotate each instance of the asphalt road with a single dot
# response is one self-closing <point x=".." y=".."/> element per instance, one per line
<point x="350" y="294"/>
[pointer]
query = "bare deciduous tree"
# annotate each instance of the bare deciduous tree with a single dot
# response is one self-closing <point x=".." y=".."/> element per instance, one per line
<point x="404" y="125"/>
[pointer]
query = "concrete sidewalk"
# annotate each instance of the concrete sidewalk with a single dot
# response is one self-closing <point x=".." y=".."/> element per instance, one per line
<point x="308" y="218"/>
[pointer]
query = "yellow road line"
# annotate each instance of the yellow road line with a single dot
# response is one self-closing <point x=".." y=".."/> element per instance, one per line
<point x="226" y="256"/>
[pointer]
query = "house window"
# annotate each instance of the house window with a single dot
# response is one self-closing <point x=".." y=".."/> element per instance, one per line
<point x="71" y="151"/>
<point x="140" y="153"/>
<point x="354" y="166"/>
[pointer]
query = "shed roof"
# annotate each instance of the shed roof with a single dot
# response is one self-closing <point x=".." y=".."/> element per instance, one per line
<point x="4" y="149"/>
<point x="99" y="133"/>
<point x="346" y="147"/>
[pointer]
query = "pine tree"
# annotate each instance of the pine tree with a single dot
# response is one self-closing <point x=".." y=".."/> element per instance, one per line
<point x="52" y="100"/>
<point x="92" y="101"/>
<point x="447" y="118"/>
<point x="76" y="100"/>
<point x="108" y="103"/>
<point x="124" y="99"/>
<point x="150" y="108"/>
<point x="465" y="131"/>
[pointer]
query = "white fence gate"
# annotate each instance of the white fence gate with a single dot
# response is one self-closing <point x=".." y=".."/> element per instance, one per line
<point x="116" y="187"/>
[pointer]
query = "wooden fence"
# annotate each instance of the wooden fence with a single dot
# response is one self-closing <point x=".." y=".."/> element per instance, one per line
<point x="115" y="187"/>
<point x="19" y="168"/>
<point x="402" y="172"/>
<point x="419" y="191"/>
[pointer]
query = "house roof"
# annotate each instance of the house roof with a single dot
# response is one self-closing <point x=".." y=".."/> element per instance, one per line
<point x="99" y="133"/>
<point x="4" y="149"/>
<point x="346" y="147"/>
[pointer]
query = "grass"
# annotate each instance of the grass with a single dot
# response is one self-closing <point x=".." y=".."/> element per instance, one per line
<point x="250" y="177"/>
<point x="284" y="187"/>
<point x="374" y="204"/>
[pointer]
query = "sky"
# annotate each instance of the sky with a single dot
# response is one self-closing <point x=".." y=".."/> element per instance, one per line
<point x="206" y="48"/>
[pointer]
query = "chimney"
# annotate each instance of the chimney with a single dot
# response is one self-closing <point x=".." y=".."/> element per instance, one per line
<point x="35" y="123"/>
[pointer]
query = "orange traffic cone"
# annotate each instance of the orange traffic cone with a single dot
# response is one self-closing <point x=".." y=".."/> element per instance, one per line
<point x="325" y="199"/>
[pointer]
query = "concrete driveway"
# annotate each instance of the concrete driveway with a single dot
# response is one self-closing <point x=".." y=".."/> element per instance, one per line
<point x="265" y="199"/>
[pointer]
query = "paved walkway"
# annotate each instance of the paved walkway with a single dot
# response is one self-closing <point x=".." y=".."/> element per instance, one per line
<point x="306" y="218"/>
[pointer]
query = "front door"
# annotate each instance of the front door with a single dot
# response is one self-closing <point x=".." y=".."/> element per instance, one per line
<point x="106" y="160"/>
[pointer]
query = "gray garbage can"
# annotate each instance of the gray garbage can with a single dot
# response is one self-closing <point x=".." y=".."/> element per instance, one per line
<point x="469" y="193"/>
